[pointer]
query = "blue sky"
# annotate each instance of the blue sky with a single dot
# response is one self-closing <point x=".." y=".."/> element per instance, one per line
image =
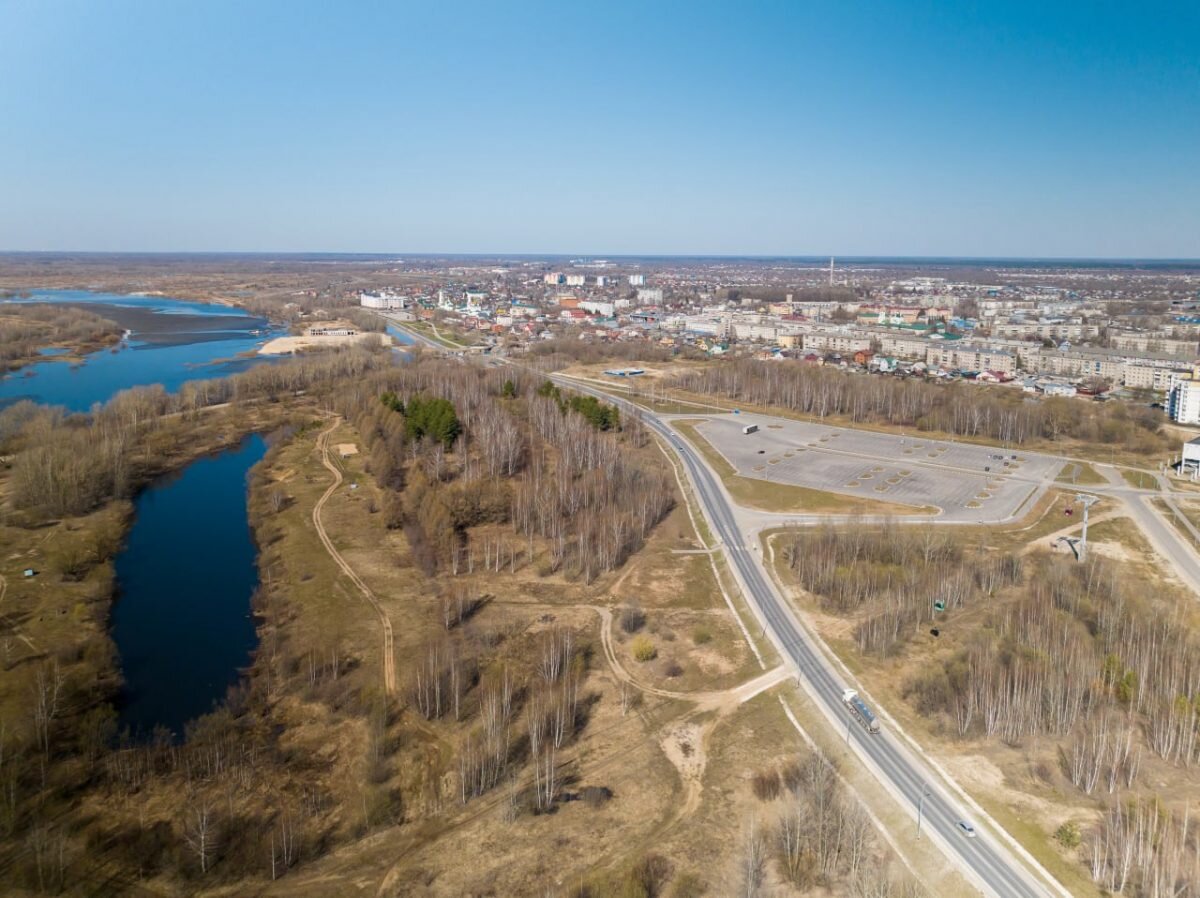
<point x="893" y="128"/>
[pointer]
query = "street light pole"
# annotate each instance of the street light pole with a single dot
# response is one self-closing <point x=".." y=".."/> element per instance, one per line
<point x="1087" y="502"/>
<point x="921" y="809"/>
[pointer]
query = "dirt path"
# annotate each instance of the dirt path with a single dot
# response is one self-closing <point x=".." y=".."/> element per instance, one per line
<point x="1050" y="540"/>
<point x="389" y="655"/>
<point x="721" y="701"/>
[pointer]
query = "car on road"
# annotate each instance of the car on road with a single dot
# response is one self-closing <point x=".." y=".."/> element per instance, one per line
<point x="967" y="829"/>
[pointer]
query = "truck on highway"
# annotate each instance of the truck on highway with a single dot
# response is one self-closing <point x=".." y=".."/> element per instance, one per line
<point x="750" y="428"/>
<point x="860" y="710"/>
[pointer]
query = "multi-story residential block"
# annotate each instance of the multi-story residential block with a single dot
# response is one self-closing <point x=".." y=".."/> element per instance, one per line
<point x="831" y="341"/>
<point x="598" y="307"/>
<point x="1155" y="342"/>
<point x="1183" y="402"/>
<point x="1083" y="363"/>
<point x="383" y="301"/>
<point x="1151" y="377"/>
<point x="1047" y="330"/>
<point x="970" y="357"/>
<point x="905" y="345"/>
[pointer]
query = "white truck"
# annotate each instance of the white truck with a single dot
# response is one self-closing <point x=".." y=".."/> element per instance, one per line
<point x="860" y="710"/>
<point x="750" y="428"/>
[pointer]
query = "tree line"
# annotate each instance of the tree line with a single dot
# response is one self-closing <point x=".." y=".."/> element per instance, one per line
<point x="27" y="327"/>
<point x="1079" y="654"/>
<point x="965" y="410"/>
<point x="68" y="464"/>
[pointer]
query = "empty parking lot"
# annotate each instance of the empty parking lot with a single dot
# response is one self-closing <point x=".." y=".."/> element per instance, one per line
<point x="965" y="481"/>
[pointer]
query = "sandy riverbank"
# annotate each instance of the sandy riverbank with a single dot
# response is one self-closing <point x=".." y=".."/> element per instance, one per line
<point x="286" y="345"/>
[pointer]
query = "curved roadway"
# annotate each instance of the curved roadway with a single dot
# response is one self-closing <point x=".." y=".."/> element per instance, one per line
<point x="991" y="866"/>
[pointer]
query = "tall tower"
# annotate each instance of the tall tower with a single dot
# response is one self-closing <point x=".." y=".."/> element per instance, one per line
<point x="831" y="271"/>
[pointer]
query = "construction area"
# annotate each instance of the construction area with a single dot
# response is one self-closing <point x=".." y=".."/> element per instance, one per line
<point x="968" y="483"/>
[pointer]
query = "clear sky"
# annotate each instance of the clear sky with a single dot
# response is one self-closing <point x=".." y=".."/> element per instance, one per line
<point x="986" y="128"/>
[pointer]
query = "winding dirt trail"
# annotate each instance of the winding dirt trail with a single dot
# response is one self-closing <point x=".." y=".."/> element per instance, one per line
<point x="389" y="655"/>
<point x="722" y="700"/>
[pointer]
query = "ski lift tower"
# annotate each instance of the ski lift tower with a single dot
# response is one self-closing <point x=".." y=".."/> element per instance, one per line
<point x="1087" y="501"/>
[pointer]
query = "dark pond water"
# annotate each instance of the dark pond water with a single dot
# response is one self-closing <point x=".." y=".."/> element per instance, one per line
<point x="182" y="621"/>
<point x="170" y="342"/>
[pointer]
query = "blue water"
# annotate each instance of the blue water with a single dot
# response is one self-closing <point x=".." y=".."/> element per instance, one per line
<point x="170" y="357"/>
<point x="182" y="621"/>
<point x="400" y="336"/>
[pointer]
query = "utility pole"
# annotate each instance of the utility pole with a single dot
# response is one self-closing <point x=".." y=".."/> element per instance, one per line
<point x="1087" y="502"/>
<point x="921" y="808"/>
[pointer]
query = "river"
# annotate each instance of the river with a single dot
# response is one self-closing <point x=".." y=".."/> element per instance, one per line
<point x="182" y="621"/>
<point x="171" y="342"/>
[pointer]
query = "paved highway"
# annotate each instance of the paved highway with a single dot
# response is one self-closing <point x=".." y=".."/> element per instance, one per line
<point x="990" y="865"/>
<point x="984" y="860"/>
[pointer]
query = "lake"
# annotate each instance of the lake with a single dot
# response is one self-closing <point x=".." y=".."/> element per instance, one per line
<point x="182" y="621"/>
<point x="171" y="342"/>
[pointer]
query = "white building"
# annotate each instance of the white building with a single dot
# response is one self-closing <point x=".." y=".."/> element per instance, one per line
<point x="554" y="278"/>
<point x="576" y="280"/>
<point x="1183" y="402"/>
<point x="384" y="301"/>
<point x="598" y="307"/>
<point x="637" y="280"/>
<point x="1189" y="461"/>
<point x="650" y="296"/>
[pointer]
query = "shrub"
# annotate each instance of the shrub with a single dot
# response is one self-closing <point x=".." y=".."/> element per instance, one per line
<point x="792" y="775"/>
<point x="632" y="618"/>
<point x="650" y="875"/>
<point x="596" y="796"/>
<point x="701" y="634"/>
<point x="673" y="669"/>
<point x="643" y="649"/>
<point x="766" y="784"/>
<point x="1068" y="835"/>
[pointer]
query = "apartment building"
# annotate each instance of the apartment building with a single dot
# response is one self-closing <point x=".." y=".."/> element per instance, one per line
<point x="1183" y="402"/>
<point x="756" y="331"/>
<point x="1047" y="330"/>
<point x="835" y="341"/>
<point x="1155" y="342"/>
<point x="1083" y="363"/>
<point x="900" y="344"/>
<point x="1151" y="377"/>
<point x="970" y="357"/>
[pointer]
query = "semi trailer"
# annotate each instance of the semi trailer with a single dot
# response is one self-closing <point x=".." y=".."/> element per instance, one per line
<point x="860" y="710"/>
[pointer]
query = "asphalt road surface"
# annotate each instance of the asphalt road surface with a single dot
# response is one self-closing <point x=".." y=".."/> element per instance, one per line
<point x="968" y="482"/>
<point x="989" y="864"/>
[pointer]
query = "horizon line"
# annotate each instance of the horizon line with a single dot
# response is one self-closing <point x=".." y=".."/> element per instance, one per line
<point x="601" y="256"/>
